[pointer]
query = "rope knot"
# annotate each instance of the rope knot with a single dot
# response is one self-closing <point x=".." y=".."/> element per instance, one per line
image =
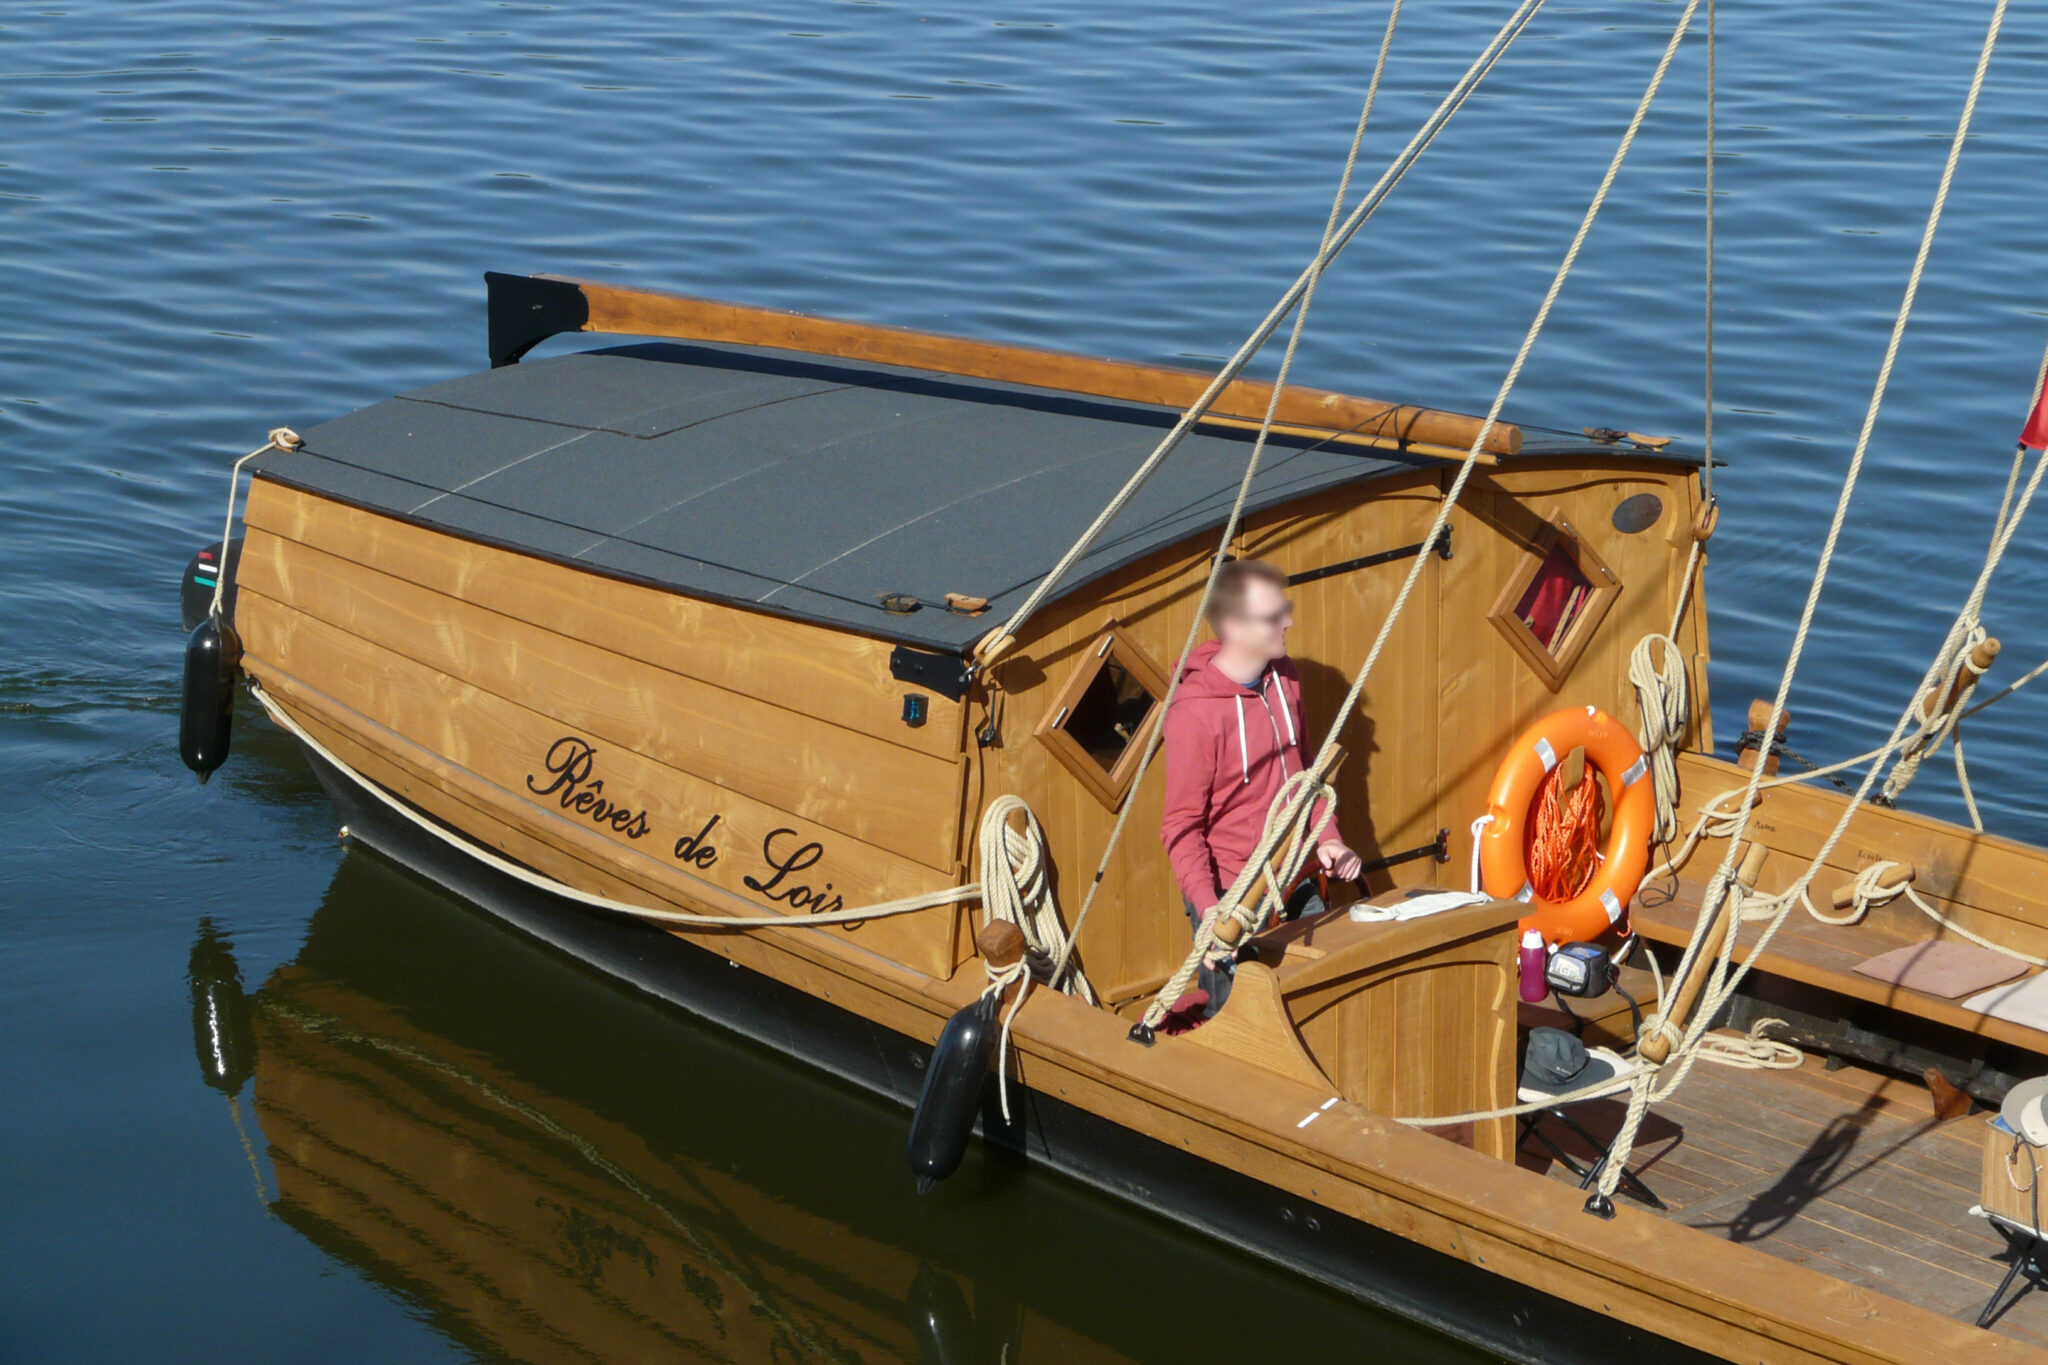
<point x="284" y="438"/>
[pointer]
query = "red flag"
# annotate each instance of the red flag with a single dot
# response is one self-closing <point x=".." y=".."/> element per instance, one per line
<point x="2035" y="434"/>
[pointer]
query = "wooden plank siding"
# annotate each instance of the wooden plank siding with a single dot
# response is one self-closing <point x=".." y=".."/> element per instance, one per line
<point x="583" y="857"/>
<point x="1446" y="697"/>
<point x="841" y="779"/>
<point x="830" y="675"/>
<point x="395" y="718"/>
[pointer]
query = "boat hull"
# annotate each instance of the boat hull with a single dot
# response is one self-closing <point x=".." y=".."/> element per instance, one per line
<point x="1367" y="1263"/>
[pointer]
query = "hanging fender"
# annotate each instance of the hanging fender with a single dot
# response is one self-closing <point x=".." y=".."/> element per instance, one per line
<point x="951" y="1098"/>
<point x="1511" y="807"/>
<point x="213" y="659"/>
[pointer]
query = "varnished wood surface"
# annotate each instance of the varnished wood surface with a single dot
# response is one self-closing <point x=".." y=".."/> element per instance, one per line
<point x="1414" y="1018"/>
<point x="354" y="618"/>
<point x="1228" y="1110"/>
<point x="1846" y="1172"/>
<point x="829" y="675"/>
<point x="650" y="312"/>
<point x="1223" y="1108"/>
<point x="1996" y="887"/>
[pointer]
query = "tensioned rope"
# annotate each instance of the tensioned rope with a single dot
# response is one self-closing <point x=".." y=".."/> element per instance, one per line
<point x="1721" y="982"/>
<point x="1300" y="796"/>
<point x="1663" y="705"/>
<point x="997" y="640"/>
<point x="1230" y="526"/>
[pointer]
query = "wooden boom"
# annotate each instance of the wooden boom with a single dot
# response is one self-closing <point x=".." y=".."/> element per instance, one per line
<point x="527" y="309"/>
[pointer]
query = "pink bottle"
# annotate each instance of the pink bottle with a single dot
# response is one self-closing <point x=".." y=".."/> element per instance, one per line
<point x="1535" y="962"/>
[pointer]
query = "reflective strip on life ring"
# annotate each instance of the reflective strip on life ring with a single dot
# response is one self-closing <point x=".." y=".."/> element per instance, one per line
<point x="1503" y="859"/>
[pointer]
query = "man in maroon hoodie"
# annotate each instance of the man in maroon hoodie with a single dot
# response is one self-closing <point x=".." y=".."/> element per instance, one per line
<point x="1235" y="733"/>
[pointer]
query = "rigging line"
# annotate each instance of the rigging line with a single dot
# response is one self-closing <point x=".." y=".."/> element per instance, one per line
<point x="1392" y="176"/>
<point x="1722" y="876"/>
<point x="1720" y="884"/>
<point x="1707" y="469"/>
<point x="1514" y="374"/>
<point x="1154" y="738"/>
<point x="1296" y="798"/>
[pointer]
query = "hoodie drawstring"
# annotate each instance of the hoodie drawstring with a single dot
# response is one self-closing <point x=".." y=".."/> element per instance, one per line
<point x="1273" y="680"/>
<point x="1244" y="752"/>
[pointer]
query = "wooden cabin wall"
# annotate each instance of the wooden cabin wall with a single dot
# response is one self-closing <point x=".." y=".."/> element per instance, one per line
<point x="451" y="670"/>
<point x="1138" y="933"/>
<point x="1489" y="694"/>
<point x="1447" y="697"/>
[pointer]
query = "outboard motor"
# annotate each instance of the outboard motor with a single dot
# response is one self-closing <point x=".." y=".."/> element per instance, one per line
<point x="223" y="1022"/>
<point x="952" y="1092"/>
<point x="213" y="658"/>
<point x="205" y="569"/>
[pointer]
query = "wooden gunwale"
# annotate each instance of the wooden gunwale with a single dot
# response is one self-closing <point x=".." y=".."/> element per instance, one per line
<point x="626" y="311"/>
<point x="1678" y="1282"/>
<point x="1989" y="884"/>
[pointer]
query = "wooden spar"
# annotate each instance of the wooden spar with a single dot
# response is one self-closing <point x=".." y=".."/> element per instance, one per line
<point x="1656" y="1048"/>
<point x="568" y="304"/>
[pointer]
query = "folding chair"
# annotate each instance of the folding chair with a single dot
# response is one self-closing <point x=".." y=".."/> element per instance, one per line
<point x="1536" y="1089"/>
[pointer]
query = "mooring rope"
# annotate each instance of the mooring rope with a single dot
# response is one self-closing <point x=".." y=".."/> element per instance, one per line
<point x="1012" y="869"/>
<point x="281" y="438"/>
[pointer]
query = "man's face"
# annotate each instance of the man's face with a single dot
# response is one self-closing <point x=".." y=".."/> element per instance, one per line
<point x="1259" y="625"/>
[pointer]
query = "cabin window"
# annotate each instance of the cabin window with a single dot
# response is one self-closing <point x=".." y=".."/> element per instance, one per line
<point x="1098" y="724"/>
<point x="1554" y="601"/>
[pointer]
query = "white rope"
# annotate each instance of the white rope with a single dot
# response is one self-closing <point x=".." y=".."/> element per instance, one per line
<point x="281" y="438"/>
<point x="1663" y="709"/>
<point x="1252" y="344"/>
<point x="1721" y="982"/>
<point x="906" y="905"/>
<point x="1284" y="825"/>
<point x="1157" y="733"/>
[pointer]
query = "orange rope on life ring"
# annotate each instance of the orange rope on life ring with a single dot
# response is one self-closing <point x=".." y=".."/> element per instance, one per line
<point x="1525" y="781"/>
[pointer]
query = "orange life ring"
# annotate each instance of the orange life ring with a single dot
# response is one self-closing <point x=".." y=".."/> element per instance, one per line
<point x="1510" y="806"/>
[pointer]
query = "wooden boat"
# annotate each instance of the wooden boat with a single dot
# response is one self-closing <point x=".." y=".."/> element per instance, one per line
<point x="691" y="625"/>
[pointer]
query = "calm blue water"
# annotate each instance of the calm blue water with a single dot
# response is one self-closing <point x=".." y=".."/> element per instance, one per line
<point x="216" y="219"/>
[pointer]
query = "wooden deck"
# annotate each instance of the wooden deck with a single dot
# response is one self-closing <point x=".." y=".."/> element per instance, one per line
<point x="1846" y="1172"/>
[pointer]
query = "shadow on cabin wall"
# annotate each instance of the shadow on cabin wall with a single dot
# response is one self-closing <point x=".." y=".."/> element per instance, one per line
<point x="1323" y="687"/>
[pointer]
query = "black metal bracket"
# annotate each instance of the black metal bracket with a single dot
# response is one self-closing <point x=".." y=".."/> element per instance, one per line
<point x="946" y="674"/>
<point x="525" y="310"/>
<point x="1439" y="849"/>
<point x="1441" y="546"/>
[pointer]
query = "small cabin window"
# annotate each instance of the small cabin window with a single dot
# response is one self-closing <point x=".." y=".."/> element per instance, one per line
<point x="1554" y="601"/>
<point x="1098" y="724"/>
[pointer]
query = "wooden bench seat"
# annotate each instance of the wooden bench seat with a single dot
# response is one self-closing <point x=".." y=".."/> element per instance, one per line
<point x="1826" y="956"/>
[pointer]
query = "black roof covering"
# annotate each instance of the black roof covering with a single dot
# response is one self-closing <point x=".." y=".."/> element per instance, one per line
<point x="803" y="486"/>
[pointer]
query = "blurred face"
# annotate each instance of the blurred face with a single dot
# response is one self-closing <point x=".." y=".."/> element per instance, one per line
<point x="1258" y="628"/>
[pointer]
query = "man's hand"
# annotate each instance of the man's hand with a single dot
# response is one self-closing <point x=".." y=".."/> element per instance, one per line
<point x="1338" y="860"/>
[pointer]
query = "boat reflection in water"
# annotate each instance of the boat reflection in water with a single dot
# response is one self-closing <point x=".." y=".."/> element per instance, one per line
<point x="549" y="1167"/>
